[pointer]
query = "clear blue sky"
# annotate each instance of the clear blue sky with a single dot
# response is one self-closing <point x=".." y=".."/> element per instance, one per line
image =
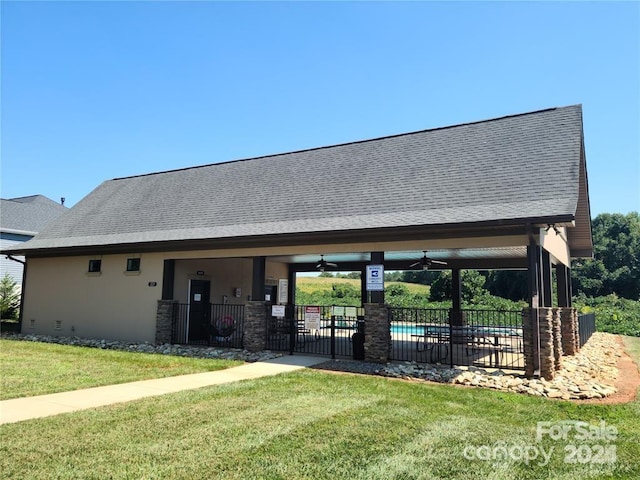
<point x="97" y="90"/>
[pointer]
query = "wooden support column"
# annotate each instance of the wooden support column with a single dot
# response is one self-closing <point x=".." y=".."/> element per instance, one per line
<point x="456" y="289"/>
<point x="547" y="283"/>
<point x="168" y="279"/>
<point x="534" y="275"/>
<point x="563" y="285"/>
<point x="364" y="297"/>
<point x="377" y="258"/>
<point x="531" y="323"/>
<point x="292" y="285"/>
<point x="257" y="284"/>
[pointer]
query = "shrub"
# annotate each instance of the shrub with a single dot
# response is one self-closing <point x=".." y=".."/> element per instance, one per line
<point x="9" y="298"/>
<point x="613" y="314"/>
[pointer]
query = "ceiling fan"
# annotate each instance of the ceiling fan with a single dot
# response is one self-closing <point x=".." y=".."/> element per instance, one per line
<point x="323" y="264"/>
<point x="426" y="262"/>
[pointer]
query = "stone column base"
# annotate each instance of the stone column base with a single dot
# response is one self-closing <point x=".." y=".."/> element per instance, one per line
<point x="377" y="333"/>
<point x="164" y="321"/>
<point x="255" y="326"/>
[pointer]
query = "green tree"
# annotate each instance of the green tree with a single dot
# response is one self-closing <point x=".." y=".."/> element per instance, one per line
<point x="615" y="267"/>
<point x="345" y="290"/>
<point x="423" y="277"/>
<point x="511" y="284"/>
<point x="473" y="290"/>
<point x="9" y="298"/>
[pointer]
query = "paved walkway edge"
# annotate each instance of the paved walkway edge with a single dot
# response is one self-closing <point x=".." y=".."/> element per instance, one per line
<point x="20" y="409"/>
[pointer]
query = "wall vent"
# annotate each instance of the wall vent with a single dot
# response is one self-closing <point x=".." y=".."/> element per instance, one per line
<point x="32" y="323"/>
<point x="58" y="324"/>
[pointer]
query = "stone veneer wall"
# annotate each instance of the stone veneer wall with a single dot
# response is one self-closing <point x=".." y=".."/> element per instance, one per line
<point x="557" y="338"/>
<point x="377" y="333"/>
<point x="549" y="338"/>
<point x="164" y="320"/>
<point x="529" y="342"/>
<point x="569" y="330"/>
<point x="255" y="326"/>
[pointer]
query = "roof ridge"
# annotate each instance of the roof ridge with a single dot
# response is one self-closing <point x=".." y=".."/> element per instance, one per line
<point x="493" y="119"/>
<point x="17" y="199"/>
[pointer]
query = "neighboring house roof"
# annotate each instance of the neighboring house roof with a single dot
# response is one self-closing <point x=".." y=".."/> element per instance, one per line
<point x="28" y="215"/>
<point x="520" y="168"/>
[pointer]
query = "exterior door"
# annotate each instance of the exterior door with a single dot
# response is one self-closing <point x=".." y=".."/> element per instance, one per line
<point x="199" y="291"/>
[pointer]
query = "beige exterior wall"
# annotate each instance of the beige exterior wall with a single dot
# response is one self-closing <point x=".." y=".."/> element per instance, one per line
<point x="113" y="305"/>
<point x="556" y="244"/>
<point x="225" y="275"/>
<point x="63" y="299"/>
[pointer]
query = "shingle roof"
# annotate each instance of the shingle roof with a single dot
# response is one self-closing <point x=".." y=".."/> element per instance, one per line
<point x="521" y="166"/>
<point x="28" y="214"/>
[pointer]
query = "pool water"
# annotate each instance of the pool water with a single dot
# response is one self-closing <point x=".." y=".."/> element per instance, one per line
<point x="407" y="330"/>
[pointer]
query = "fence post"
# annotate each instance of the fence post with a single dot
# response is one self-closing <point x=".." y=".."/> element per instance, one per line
<point x="164" y="321"/>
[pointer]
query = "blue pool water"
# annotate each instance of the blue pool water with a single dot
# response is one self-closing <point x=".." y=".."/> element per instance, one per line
<point x="407" y="330"/>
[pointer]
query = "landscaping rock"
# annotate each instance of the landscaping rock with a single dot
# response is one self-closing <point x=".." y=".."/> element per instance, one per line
<point x="591" y="373"/>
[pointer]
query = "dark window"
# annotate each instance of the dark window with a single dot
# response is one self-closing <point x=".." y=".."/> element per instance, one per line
<point x="133" y="264"/>
<point x="94" y="266"/>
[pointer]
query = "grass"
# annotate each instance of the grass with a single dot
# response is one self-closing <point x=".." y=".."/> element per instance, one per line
<point x="632" y="347"/>
<point x="33" y="368"/>
<point x="314" y="425"/>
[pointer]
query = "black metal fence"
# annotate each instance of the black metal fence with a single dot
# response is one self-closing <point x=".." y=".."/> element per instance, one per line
<point x="216" y="325"/>
<point x="319" y="330"/>
<point x="485" y="338"/>
<point x="586" y="327"/>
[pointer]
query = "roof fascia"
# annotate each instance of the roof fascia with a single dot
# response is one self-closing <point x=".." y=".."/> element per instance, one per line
<point x="424" y="232"/>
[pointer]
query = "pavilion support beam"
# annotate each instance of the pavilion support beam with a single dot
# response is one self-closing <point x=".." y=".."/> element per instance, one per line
<point x="534" y="276"/>
<point x="377" y="258"/>
<point x="563" y="285"/>
<point x="456" y="289"/>
<point x="547" y="283"/>
<point x="168" y="279"/>
<point x="456" y="315"/>
<point x="292" y="285"/>
<point x="364" y="298"/>
<point x="531" y="322"/>
<point x="258" y="277"/>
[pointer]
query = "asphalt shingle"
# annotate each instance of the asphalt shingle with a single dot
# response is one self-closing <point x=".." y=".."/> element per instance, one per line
<point x="522" y="166"/>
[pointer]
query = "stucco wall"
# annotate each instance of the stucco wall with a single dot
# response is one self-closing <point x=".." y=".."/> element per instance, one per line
<point x="120" y="305"/>
<point x="112" y="305"/>
<point x="225" y="275"/>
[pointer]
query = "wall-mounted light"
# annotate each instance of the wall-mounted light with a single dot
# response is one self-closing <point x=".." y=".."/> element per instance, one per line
<point x="550" y="226"/>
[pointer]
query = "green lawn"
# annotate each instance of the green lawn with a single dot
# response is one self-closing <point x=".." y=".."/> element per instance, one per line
<point x="316" y="425"/>
<point x="33" y="368"/>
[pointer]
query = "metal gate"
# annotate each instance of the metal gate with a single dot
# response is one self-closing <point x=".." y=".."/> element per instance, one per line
<point x="300" y="330"/>
<point x="220" y="325"/>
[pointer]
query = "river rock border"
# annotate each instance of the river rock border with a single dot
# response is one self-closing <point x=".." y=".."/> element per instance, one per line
<point x="591" y="373"/>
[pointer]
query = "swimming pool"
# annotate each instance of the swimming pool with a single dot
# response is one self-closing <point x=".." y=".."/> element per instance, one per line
<point x="407" y="330"/>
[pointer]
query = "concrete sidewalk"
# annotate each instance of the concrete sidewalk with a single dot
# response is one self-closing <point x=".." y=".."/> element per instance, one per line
<point x="19" y="409"/>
